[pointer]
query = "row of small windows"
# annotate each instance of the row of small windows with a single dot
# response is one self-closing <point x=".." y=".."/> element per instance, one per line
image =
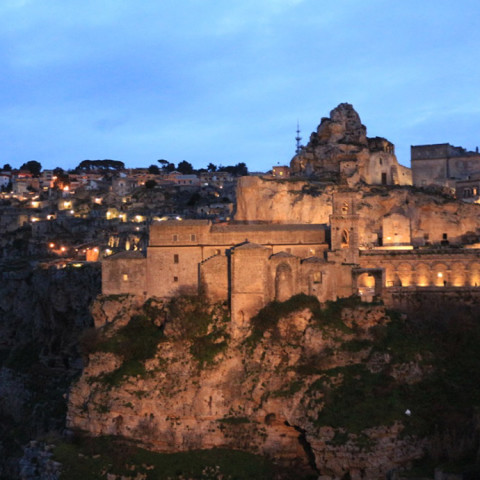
<point x="193" y="237"/>
<point x="470" y="192"/>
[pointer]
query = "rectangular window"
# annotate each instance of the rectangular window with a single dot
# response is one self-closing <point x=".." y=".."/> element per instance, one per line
<point x="317" y="277"/>
<point x="175" y="279"/>
<point x="445" y="236"/>
<point x="175" y="258"/>
<point x="193" y="237"/>
<point x="125" y="277"/>
<point x="175" y="238"/>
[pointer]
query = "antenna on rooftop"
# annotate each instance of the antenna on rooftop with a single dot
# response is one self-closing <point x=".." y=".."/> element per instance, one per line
<point x="298" y="138"/>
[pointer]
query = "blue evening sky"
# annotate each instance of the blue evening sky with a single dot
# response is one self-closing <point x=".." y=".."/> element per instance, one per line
<point x="225" y="81"/>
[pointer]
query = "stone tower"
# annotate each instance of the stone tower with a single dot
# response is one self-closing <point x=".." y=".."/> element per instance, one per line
<point x="344" y="228"/>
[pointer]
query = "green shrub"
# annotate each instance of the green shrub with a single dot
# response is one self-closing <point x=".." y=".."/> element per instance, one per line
<point x="267" y="318"/>
<point x="135" y="342"/>
<point x="205" y="348"/>
<point x="202" y="324"/>
<point x="190" y="315"/>
<point x="94" y="458"/>
<point x="234" y="420"/>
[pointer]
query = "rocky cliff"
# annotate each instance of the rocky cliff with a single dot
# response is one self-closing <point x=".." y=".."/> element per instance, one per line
<point x="343" y="391"/>
<point x="295" y="201"/>
<point x="42" y="314"/>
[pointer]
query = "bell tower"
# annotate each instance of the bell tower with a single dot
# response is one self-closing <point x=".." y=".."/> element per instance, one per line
<point x="344" y="228"/>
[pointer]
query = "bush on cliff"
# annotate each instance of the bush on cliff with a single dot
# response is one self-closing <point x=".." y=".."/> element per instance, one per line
<point x="135" y="342"/>
<point x="439" y="346"/>
<point x="327" y="316"/>
<point x="192" y="318"/>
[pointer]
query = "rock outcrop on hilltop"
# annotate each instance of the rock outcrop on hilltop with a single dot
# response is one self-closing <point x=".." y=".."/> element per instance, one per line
<point x="341" y="151"/>
<point x="321" y="390"/>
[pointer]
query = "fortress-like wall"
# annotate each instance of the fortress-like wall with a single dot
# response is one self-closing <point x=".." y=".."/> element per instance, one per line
<point x="442" y="164"/>
<point x="251" y="265"/>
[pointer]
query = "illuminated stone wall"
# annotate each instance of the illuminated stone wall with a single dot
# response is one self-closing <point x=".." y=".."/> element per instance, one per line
<point x="426" y="268"/>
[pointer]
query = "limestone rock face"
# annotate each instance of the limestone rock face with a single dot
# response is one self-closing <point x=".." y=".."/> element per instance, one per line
<point x="340" y="151"/>
<point x="265" y="200"/>
<point x="251" y="397"/>
<point x="430" y="216"/>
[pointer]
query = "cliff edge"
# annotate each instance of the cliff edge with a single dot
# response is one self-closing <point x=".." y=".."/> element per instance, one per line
<point x="343" y="389"/>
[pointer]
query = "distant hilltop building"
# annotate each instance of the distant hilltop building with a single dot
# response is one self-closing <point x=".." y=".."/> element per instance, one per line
<point x="340" y="150"/>
<point x="281" y="171"/>
<point x="444" y="165"/>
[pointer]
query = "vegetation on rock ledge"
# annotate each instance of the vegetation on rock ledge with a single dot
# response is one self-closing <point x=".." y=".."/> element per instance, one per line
<point x="94" y="458"/>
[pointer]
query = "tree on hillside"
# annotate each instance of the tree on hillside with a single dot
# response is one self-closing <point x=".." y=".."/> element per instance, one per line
<point x="185" y="167"/>
<point x="239" y="170"/>
<point x="166" y="166"/>
<point x="211" y="167"/>
<point x="153" y="169"/>
<point x="7" y="168"/>
<point x="33" y="167"/>
<point x="62" y="179"/>
<point x="107" y="164"/>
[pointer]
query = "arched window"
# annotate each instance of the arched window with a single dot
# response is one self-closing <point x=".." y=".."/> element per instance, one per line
<point x="345" y="208"/>
<point x="345" y="239"/>
<point x="283" y="282"/>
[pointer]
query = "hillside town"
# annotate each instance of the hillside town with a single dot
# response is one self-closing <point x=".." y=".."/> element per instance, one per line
<point x="101" y="207"/>
<point x="58" y="218"/>
<point x="184" y="309"/>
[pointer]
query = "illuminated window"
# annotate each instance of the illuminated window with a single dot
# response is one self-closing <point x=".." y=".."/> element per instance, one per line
<point x="345" y="208"/>
<point x="125" y="277"/>
<point x="175" y="258"/>
<point x="317" y="277"/>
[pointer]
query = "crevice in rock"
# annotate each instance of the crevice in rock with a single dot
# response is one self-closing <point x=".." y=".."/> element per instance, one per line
<point x="307" y="448"/>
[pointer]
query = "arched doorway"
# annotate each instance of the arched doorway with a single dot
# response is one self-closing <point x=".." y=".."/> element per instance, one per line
<point x="283" y="282"/>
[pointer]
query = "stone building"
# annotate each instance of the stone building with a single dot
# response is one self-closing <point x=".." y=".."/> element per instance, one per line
<point x="442" y="164"/>
<point x="244" y="265"/>
<point x="249" y="265"/>
<point x="360" y="230"/>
